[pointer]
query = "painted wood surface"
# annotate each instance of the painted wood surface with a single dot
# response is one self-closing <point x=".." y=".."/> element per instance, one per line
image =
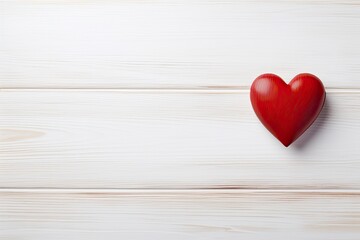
<point x="132" y="120"/>
<point x="204" y="215"/>
<point x="176" y="44"/>
<point x="169" y="139"/>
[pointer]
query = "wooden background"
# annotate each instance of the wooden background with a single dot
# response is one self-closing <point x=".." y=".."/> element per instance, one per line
<point x="132" y="120"/>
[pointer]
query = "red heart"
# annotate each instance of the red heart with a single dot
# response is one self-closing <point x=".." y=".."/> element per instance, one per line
<point x="287" y="110"/>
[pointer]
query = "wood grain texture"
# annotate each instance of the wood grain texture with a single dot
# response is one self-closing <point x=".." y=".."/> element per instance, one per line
<point x="172" y="215"/>
<point x="169" y="139"/>
<point x="176" y="44"/>
<point x="93" y="160"/>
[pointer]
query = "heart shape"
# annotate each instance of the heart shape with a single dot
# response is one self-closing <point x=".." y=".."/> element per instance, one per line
<point x="287" y="110"/>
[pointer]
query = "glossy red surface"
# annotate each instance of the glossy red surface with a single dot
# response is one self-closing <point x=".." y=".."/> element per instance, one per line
<point x="287" y="110"/>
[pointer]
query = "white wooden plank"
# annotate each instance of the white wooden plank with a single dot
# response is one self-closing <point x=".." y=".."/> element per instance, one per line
<point x="199" y="215"/>
<point x="162" y="139"/>
<point x="176" y="44"/>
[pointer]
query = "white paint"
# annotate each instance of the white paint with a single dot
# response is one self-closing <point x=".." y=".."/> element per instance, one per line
<point x="116" y="117"/>
<point x="181" y="215"/>
<point x="176" y="44"/>
<point x="160" y="139"/>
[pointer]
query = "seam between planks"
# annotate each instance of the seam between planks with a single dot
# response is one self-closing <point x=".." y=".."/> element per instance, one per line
<point x="158" y="90"/>
<point x="175" y="191"/>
